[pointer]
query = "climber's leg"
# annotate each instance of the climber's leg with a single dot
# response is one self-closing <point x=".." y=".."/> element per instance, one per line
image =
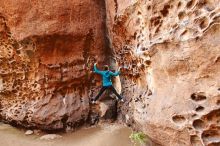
<point x="100" y="93"/>
<point x="116" y="93"/>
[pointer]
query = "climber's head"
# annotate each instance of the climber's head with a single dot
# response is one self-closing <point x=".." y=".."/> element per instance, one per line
<point x="106" y="67"/>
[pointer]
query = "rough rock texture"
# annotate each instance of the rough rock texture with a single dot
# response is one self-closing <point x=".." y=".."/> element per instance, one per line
<point x="171" y="53"/>
<point x="47" y="49"/>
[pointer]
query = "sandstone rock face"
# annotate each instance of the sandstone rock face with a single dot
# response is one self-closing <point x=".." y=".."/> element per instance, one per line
<point x="170" y="51"/>
<point x="50" y="137"/>
<point x="47" y="49"/>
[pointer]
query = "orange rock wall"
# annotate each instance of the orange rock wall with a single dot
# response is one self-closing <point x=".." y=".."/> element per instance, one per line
<point x="47" y="52"/>
<point x="170" y="52"/>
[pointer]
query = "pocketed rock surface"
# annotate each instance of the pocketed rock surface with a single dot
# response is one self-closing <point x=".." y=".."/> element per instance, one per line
<point x="169" y="51"/>
<point x="171" y="54"/>
<point x="47" y="51"/>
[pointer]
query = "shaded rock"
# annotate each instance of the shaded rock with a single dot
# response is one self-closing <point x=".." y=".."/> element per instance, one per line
<point x="108" y="109"/>
<point x="105" y="109"/>
<point x="37" y="132"/>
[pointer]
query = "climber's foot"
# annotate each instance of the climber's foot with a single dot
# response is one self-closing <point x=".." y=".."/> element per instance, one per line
<point x="122" y="100"/>
<point x="93" y="101"/>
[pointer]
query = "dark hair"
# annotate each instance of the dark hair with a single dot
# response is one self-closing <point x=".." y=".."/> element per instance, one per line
<point x="106" y="67"/>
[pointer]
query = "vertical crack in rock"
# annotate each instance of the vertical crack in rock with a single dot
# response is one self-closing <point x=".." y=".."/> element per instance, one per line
<point x="116" y="9"/>
<point x="89" y="40"/>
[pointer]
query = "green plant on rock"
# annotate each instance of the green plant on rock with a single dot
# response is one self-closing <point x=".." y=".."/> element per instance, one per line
<point x="138" y="138"/>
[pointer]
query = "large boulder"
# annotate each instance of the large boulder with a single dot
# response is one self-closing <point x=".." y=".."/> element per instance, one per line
<point x="47" y="49"/>
<point x="170" y="51"/>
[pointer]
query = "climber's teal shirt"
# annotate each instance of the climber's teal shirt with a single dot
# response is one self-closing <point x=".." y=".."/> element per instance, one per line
<point x="106" y="76"/>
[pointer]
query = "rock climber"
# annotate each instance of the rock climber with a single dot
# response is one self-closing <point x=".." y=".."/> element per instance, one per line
<point x="106" y="82"/>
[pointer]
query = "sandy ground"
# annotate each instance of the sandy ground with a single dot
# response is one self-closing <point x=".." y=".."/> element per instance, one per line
<point x="105" y="135"/>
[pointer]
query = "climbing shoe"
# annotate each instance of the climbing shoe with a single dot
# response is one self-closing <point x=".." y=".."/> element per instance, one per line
<point x="93" y="101"/>
<point x="122" y="100"/>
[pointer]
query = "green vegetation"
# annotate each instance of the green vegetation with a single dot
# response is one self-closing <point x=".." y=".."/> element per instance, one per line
<point x="138" y="138"/>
